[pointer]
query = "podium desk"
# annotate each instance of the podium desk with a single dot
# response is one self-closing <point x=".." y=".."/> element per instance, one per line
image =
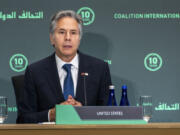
<point x="40" y="129"/>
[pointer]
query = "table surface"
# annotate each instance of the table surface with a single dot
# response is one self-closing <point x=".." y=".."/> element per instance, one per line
<point x="53" y="126"/>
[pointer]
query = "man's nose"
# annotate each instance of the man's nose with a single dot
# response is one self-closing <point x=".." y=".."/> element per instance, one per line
<point x="68" y="36"/>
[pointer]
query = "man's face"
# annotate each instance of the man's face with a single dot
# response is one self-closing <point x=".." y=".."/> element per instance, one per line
<point x="66" y="37"/>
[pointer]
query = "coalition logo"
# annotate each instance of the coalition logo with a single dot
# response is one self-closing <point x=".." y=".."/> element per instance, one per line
<point x="153" y="62"/>
<point x="18" y="62"/>
<point x="87" y="15"/>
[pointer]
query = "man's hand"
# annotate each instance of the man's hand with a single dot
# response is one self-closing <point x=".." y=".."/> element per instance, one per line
<point x="52" y="113"/>
<point x="69" y="101"/>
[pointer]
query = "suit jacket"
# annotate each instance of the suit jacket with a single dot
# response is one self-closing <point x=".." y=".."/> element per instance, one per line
<point x="42" y="89"/>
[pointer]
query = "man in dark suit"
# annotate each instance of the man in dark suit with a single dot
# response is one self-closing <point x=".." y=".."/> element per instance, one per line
<point x="59" y="78"/>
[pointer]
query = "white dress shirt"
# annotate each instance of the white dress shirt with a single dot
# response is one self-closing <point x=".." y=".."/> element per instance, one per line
<point x="62" y="73"/>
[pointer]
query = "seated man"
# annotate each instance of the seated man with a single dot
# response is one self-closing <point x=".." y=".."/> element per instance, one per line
<point x="58" y="78"/>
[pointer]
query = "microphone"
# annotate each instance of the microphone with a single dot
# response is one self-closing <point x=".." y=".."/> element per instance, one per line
<point x="84" y="74"/>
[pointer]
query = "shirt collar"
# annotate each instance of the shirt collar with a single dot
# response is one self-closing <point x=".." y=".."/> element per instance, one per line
<point x="74" y="62"/>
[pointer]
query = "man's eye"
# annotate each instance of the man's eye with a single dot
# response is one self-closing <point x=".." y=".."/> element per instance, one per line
<point x="73" y="32"/>
<point x="61" y="32"/>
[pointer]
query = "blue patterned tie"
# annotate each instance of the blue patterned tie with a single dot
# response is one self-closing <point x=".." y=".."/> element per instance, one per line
<point x="68" y="82"/>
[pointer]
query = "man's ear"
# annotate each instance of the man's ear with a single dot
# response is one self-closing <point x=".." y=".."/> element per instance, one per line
<point x="51" y="39"/>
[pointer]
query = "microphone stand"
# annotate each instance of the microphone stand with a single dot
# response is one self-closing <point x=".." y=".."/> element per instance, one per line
<point x="84" y="82"/>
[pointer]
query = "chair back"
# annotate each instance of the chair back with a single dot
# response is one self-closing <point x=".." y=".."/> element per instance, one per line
<point x="18" y="84"/>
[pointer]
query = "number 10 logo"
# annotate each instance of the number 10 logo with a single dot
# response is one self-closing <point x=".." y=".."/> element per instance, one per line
<point x="18" y="62"/>
<point x="87" y="15"/>
<point x="153" y="62"/>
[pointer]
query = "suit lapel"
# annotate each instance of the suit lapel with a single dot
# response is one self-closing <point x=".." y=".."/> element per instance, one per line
<point x="53" y="78"/>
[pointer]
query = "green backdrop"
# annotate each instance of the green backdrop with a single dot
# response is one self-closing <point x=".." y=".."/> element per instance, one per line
<point x="138" y="38"/>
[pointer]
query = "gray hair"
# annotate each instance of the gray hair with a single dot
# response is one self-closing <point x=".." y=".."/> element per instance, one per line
<point x="65" y="13"/>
